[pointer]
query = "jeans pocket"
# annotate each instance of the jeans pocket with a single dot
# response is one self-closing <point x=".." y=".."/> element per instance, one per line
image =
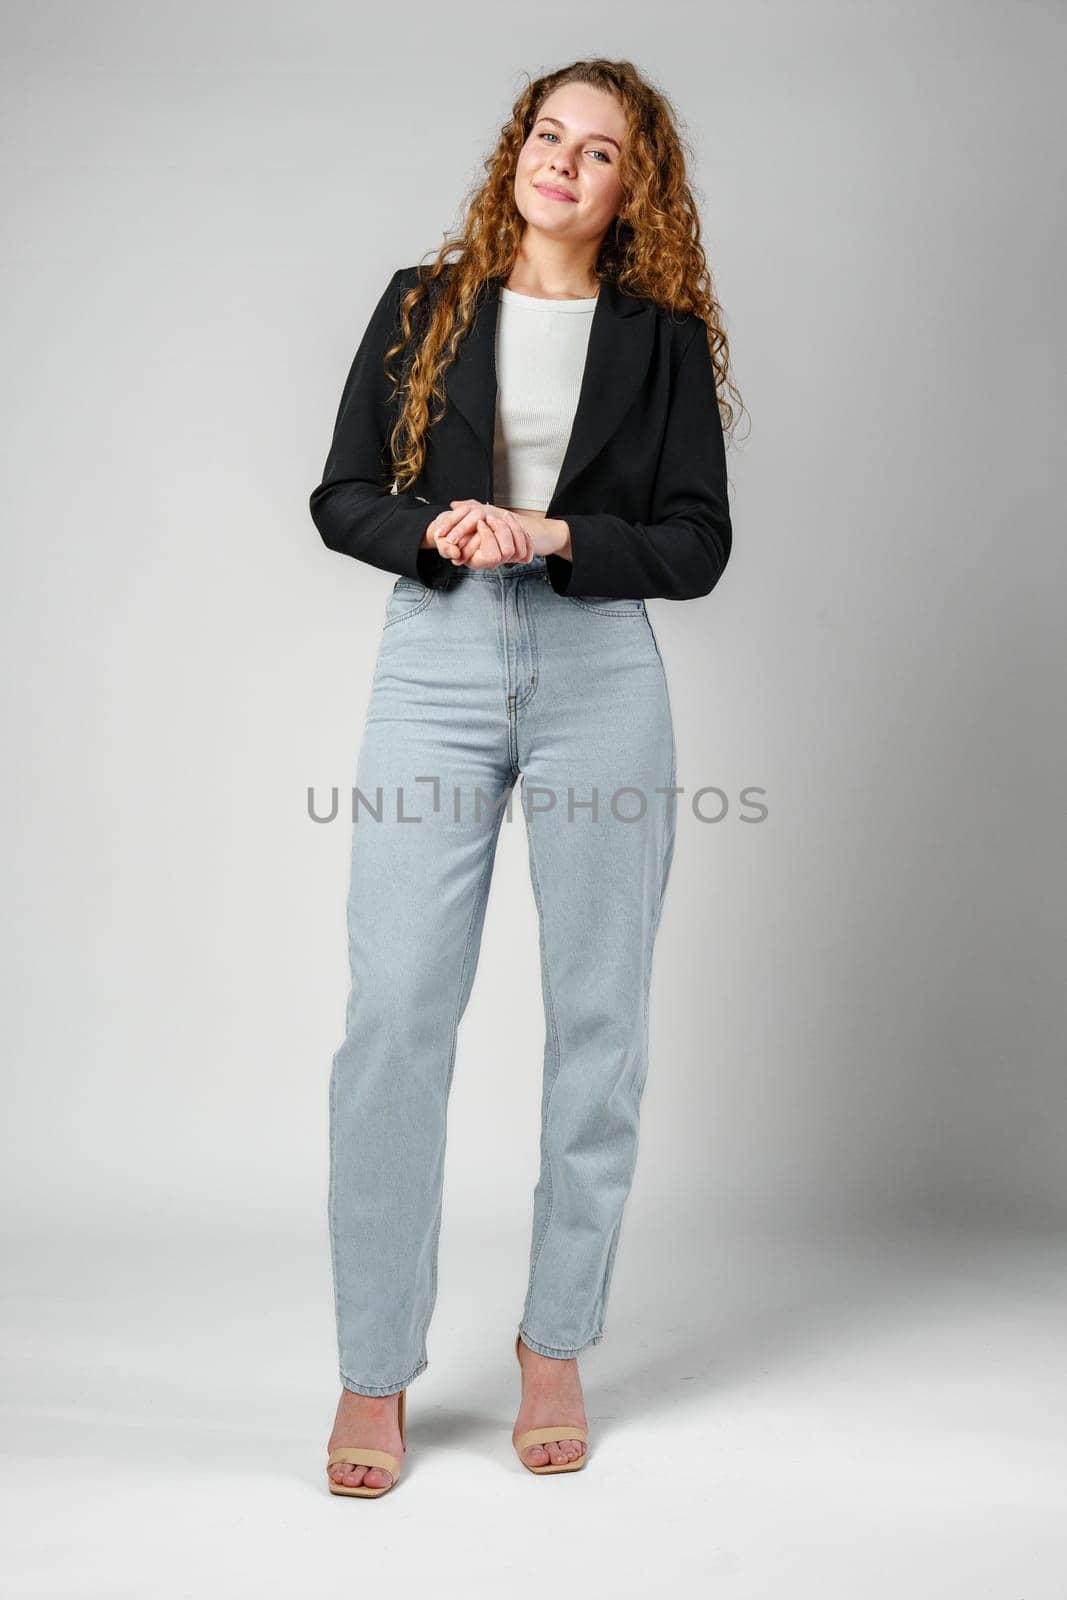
<point x="601" y="605"/>
<point x="408" y="598"/>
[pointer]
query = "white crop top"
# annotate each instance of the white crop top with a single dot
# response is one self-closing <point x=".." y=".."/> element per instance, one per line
<point x="540" y="360"/>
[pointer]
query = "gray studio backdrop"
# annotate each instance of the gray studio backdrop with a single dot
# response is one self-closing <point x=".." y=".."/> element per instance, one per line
<point x="832" y="1361"/>
<point x="858" y="1003"/>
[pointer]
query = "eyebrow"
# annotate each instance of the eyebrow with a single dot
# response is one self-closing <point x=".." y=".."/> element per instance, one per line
<point x="606" y="137"/>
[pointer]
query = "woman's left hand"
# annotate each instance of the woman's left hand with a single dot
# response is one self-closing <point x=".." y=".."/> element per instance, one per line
<point x="498" y="535"/>
<point x="501" y="534"/>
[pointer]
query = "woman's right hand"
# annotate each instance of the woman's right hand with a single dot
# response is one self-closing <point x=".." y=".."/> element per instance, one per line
<point x="478" y="535"/>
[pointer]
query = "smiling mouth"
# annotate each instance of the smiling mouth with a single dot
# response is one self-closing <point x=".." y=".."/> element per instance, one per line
<point x="553" y="193"/>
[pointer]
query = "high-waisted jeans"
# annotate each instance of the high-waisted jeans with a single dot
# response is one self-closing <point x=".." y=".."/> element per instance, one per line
<point x="493" y="677"/>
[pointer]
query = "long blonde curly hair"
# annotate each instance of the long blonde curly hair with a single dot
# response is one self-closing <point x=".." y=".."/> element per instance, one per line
<point x="655" y="252"/>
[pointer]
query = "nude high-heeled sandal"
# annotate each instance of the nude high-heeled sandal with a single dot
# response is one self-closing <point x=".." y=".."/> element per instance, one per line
<point x="550" y="1436"/>
<point x="364" y="1456"/>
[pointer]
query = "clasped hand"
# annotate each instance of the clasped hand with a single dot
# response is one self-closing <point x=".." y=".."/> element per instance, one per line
<point x="478" y="535"/>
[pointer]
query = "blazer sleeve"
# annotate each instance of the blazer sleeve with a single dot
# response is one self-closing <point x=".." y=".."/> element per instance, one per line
<point x="681" y="553"/>
<point x="354" y="507"/>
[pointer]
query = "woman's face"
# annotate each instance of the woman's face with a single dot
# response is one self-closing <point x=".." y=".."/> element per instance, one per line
<point x="573" y="148"/>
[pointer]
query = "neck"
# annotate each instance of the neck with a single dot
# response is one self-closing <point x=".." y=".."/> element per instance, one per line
<point x="554" y="271"/>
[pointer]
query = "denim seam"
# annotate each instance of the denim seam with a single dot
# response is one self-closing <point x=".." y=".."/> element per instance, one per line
<point x="333" y="1181"/>
<point x="547" y="1149"/>
<point x="655" y="641"/>
<point x="482" y="885"/>
<point x="605" y="1282"/>
<point x="557" y="1350"/>
<point x="412" y="611"/>
<point x="503" y="613"/>
<point x="383" y="1388"/>
<point x="525" y="610"/>
<point x="653" y="932"/>
<point x="509" y="704"/>
<point x="331" y="1207"/>
<point x="609" y="1261"/>
<point x="632" y="612"/>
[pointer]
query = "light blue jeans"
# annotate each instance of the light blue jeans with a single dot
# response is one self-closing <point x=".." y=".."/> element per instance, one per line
<point x="494" y="677"/>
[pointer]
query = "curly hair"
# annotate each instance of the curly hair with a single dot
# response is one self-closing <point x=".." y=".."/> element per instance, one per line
<point x="653" y="249"/>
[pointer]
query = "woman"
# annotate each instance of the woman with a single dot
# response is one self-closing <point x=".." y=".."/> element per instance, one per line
<point x="574" y="467"/>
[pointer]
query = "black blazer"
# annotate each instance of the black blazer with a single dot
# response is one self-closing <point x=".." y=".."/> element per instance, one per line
<point x="642" y="485"/>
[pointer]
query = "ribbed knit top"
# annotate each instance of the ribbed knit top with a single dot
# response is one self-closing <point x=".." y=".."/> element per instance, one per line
<point x="540" y="359"/>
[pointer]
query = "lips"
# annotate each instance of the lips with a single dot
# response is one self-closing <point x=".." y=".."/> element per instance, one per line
<point x="553" y="192"/>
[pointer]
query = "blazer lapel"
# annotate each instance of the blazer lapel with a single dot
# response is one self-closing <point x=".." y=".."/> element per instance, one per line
<point x="617" y="357"/>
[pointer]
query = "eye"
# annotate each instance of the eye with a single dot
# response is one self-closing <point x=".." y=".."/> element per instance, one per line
<point x="594" y="151"/>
